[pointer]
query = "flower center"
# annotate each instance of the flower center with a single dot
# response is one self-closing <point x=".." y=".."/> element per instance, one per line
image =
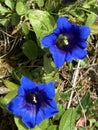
<point x="62" y="40"/>
<point x="31" y="98"/>
<point x="37" y="98"/>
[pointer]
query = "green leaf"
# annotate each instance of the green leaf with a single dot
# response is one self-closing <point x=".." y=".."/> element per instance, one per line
<point x="24" y="1"/>
<point x="37" y="74"/>
<point x="92" y="122"/>
<point x="25" y="29"/>
<point x="2" y="0"/>
<point x="10" y="3"/>
<point x="19" y="124"/>
<point x="15" y="19"/>
<point x="10" y="95"/>
<point x="68" y="119"/>
<point x="40" y="3"/>
<point x="85" y="102"/>
<point x="42" y="22"/>
<point x="61" y="110"/>
<point x="86" y="6"/>
<point x="6" y="99"/>
<point x="48" y="65"/>
<point x="21" y="8"/>
<point x="84" y="63"/>
<point x="30" y="49"/>
<point x="3" y="9"/>
<point x="51" y="76"/>
<point x="52" y="127"/>
<point x="91" y="19"/>
<point x="4" y="21"/>
<point x="96" y="124"/>
<point x="10" y="85"/>
<point x="37" y="128"/>
<point x="44" y="124"/>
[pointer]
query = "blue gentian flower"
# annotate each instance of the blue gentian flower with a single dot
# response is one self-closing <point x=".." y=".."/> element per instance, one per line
<point x="34" y="102"/>
<point x="67" y="42"/>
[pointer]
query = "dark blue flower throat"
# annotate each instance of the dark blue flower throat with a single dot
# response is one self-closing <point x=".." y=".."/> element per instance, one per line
<point x="36" y="98"/>
<point x="31" y="98"/>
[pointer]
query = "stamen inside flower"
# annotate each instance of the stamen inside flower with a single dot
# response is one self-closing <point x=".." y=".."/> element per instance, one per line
<point x="65" y="40"/>
<point x="62" y="40"/>
<point x="34" y="99"/>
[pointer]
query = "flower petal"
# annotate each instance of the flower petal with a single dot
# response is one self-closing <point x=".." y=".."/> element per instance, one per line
<point x="47" y="89"/>
<point x="49" y="40"/>
<point x="39" y="116"/>
<point x="58" y="56"/>
<point x="16" y="105"/>
<point x="50" y="90"/>
<point x="27" y="84"/>
<point x="82" y="45"/>
<point x="50" y="110"/>
<point x="57" y="31"/>
<point x="29" y="119"/>
<point x="21" y="91"/>
<point x="84" y="31"/>
<point x="52" y="103"/>
<point x="79" y="53"/>
<point x="63" y="24"/>
<point x="68" y="57"/>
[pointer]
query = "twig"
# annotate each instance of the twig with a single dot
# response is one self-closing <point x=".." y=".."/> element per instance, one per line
<point x="14" y="43"/>
<point x="75" y="76"/>
<point x="6" y="33"/>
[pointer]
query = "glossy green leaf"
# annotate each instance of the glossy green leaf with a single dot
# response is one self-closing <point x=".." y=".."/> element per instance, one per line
<point x="3" y="9"/>
<point x="37" y="128"/>
<point x="68" y="119"/>
<point x="10" y="95"/>
<point x="51" y="76"/>
<point x="25" y="29"/>
<point x="48" y="65"/>
<point x="4" y="21"/>
<point x="42" y="22"/>
<point x="52" y="127"/>
<point x="22" y="1"/>
<point x="19" y="124"/>
<point x="44" y="124"/>
<point x="91" y="19"/>
<point x="6" y="99"/>
<point x="30" y="49"/>
<point x="21" y="8"/>
<point x="2" y="0"/>
<point x="15" y="19"/>
<point x="61" y="110"/>
<point x="10" y="85"/>
<point x="96" y="124"/>
<point x="40" y="2"/>
<point x="10" y="3"/>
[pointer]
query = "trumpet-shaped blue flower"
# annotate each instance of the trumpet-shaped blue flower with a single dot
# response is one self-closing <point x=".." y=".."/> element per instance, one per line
<point x="67" y="42"/>
<point x="34" y="102"/>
